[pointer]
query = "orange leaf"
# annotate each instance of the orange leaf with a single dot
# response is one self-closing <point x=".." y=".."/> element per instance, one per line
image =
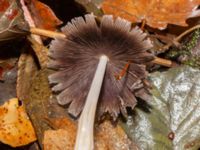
<point x="43" y="16"/>
<point x="157" y="13"/>
<point x="15" y="127"/>
<point x="107" y="136"/>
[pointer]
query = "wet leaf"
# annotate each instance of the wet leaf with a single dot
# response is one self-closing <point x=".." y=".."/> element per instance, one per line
<point x="11" y="20"/>
<point x="172" y="118"/>
<point x="156" y="13"/>
<point x="15" y="127"/>
<point x="107" y="136"/>
<point x="42" y="15"/>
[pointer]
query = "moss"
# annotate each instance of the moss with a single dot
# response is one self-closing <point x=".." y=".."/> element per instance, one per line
<point x="185" y="50"/>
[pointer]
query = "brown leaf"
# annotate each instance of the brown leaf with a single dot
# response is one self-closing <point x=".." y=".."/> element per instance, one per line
<point x="11" y="20"/>
<point x="107" y="136"/>
<point x="43" y="16"/>
<point x="156" y="13"/>
<point x="40" y="50"/>
<point x="58" y="140"/>
<point x="6" y="65"/>
<point x="15" y="127"/>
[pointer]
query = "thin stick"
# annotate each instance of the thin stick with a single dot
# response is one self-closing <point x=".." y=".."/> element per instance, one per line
<point x="181" y="36"/>
<point x="163" y="62"/>
<point x="47" y="33"/>
<point x="143" y="24"/>
<point x="85" y="139"/>
<point x="52" y="34"/>
<point x="29" y="19"/>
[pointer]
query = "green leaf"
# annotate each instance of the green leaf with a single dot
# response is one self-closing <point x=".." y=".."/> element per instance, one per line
<point x="172" y="118"/>
<point x="11" y="20"/>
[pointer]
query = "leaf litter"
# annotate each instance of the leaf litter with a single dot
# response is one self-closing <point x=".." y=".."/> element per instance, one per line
<point x="168" y="121"/>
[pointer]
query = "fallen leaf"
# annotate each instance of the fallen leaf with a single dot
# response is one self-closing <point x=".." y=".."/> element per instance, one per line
<point x="42" y="15"/>
<point x="92" y="6"/>
<point x="33" y="89"/>
<point x="173" y="117"/>
<point x="107" y="136"/>
<point x="11" y="20"/>
<point x="8" y="85"/>
<point x="156" y="13"/>
<point x="58" y="140"/>
<point x="8" y="70"/>
<point x="41" y="52"/>
<point x="62" y="138"/>
<point x="27" y="69"/>
<point x="4" y="66"/>
<point x="15" y="127"/>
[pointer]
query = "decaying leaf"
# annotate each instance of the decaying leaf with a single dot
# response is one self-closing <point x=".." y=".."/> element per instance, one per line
<point x="15" y="127"/>
<point x="57" y="140"/>
<point x="8" y="85"/>
<point x="43" y="16"/>
<point x="40" y="50"/>
<point x="4" y="66"/>
<point x="173" y="117"/>
<point x="27" y="69"/>
<point x="92" y="6"/>
<point x="156" y="13"/>
<point x="11" y="20"/>
<point x="107" y="137"/>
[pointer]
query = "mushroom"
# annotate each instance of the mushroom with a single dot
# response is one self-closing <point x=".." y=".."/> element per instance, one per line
<point x="100" y="68"/>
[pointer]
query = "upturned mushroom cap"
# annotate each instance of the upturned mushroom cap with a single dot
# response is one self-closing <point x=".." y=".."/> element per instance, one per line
<point x="75" y="59"/>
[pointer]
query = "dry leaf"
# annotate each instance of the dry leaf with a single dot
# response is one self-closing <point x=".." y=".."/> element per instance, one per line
<point x="43" y="16"/>
<point x="107" y="136"/>
<point x="40" y="50"/>
<point x="156" y="13"/>
<point x="58" y="140"/>
<point x="61" y="139"/>
<point x="15" y="127"/>
<point x="11" y="20"/>
<point x="6" y="65"/>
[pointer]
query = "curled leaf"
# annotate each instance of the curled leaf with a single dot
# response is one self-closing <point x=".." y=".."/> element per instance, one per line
<point x="11" y="20"/>
<point x="42" y="15"/>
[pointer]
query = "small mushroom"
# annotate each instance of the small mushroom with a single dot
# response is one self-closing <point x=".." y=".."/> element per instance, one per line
<point x="76" y="58"/>
<point x="99" y="65"/>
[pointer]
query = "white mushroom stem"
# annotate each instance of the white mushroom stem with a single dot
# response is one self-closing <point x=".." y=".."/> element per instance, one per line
<point x="84" y="138"/>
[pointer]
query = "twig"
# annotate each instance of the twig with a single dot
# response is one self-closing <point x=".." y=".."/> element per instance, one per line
<point x="143" y="24"/>
<point x="47" y="33"/>
<point x="52" y="34"/>
<point x="164" y="62"/>
<point x="181" y="36"/>
<point x="30" y="21"/>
